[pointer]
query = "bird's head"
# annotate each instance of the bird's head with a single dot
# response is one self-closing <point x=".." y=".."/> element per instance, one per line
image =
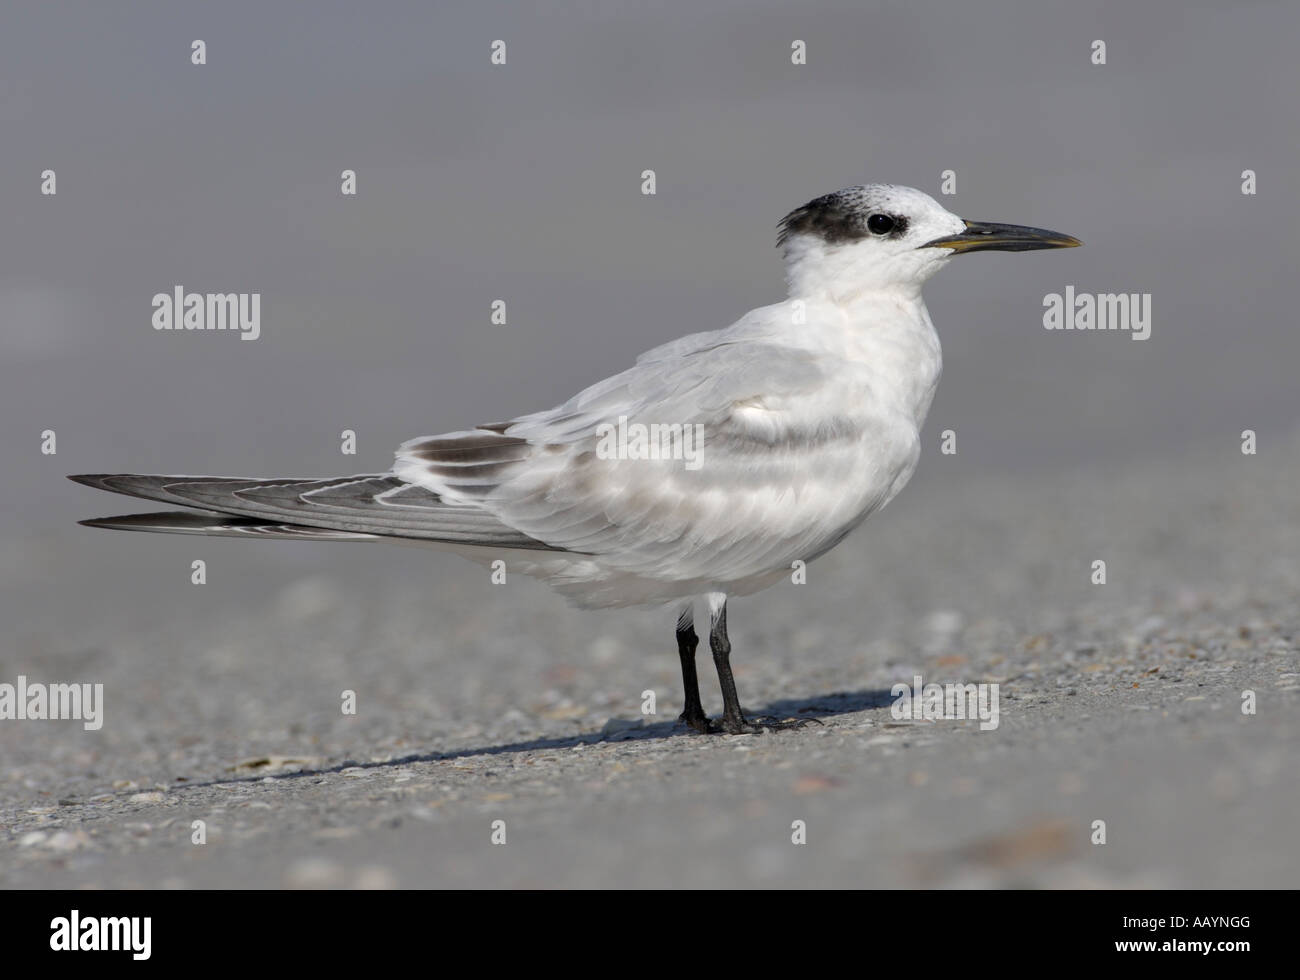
<point x="884" y="237"/>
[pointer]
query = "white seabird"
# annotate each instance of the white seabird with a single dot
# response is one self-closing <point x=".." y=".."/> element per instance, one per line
<point x="794" y="425"/>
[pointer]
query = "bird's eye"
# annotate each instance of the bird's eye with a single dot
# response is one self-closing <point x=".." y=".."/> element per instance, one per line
<point x="880" y="224"/>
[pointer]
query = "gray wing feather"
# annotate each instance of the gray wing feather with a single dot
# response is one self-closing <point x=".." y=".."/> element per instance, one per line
<point x="375" y="504"/>
<point x="223" y="525"/>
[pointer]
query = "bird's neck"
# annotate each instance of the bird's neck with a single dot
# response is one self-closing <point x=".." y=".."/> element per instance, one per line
<point x="820" y="272"/>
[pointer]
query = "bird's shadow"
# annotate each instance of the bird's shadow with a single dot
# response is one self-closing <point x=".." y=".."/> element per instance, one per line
<point x="821" y="706"/>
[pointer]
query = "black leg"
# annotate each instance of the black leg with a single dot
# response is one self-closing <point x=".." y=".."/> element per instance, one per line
<point x="687" y="641"/>
<point x="733" y="719"/>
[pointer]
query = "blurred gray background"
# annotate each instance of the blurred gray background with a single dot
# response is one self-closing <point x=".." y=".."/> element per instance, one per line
<point x="522" y="183"/>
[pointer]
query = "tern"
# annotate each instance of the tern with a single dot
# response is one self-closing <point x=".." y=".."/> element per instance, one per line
<point x="786" y="431"/>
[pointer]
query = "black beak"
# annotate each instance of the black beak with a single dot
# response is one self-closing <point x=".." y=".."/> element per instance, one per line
<point x="981" y="236"/>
